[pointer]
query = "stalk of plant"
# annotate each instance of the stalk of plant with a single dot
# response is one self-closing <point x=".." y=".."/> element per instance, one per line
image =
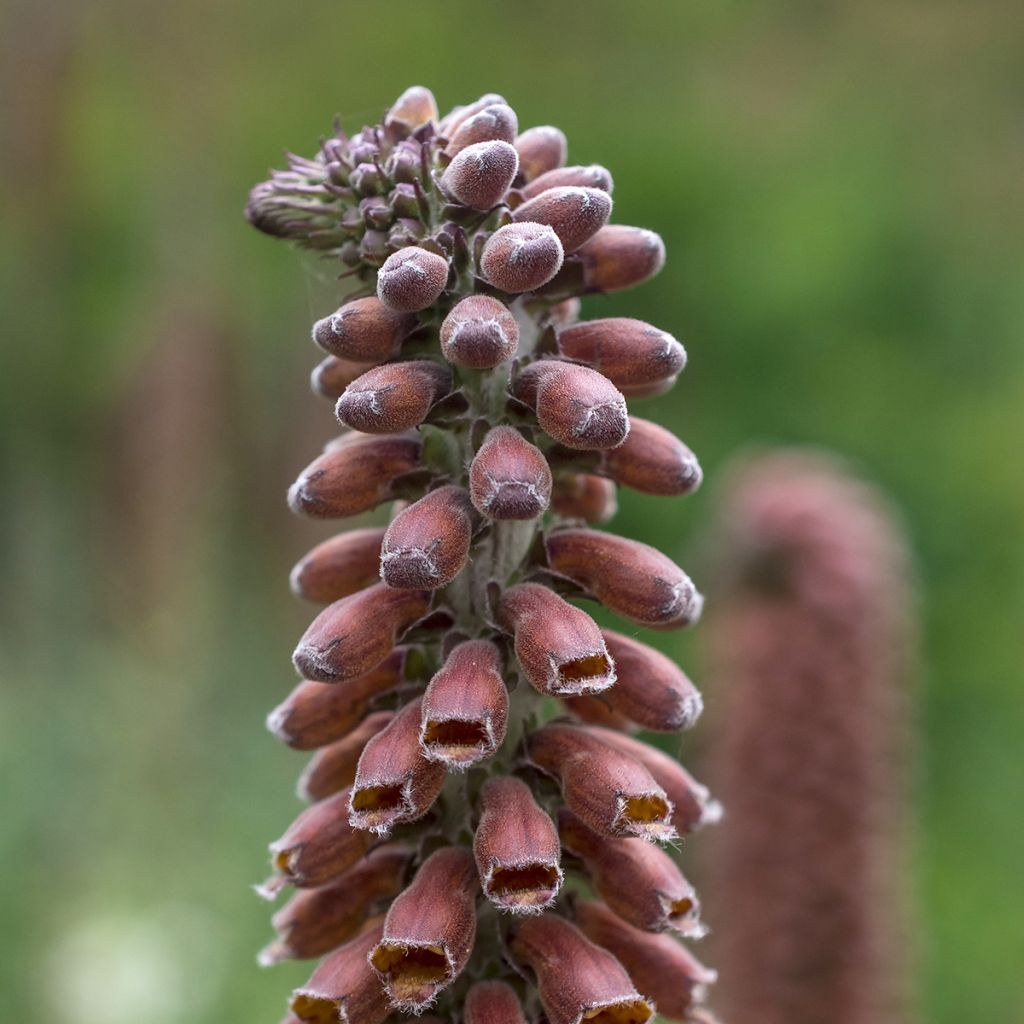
<point x="809" y="645"/>
<point x="472" y="768"/>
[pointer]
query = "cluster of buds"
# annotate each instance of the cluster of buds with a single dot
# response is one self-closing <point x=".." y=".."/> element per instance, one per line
<point x="474" y="772"/>
<point x="810" y="647"/>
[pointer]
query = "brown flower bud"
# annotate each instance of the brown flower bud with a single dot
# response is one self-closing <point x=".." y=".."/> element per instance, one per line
<point x="658" y="964"/>
<point x="509" y="477"/>
<point x="394" y="783"/>
<point x="565" y="313"/>
<point x="619" y="257"/>
<point x="334" y="767"/>
<point x="637" y="880"/>
<point x="364" y="331"/>
<point x="610" y="791"/>
<point x="651" y="689"/>
<point x="330" y="377"/>
<point x="315" y="921"/>
<point x="317" y="847"/>
<point x="479" y="333"/>
<point x="577" y="980"/>
<point x="344" y="988"/>
<point x="627" y="577"/>
<point x="541" y="149"/>
<point x="653" y="460"/>
<point x="634" y="356"/>
<point x="496" y="121"/>
<point x="394" y="397"/>
<point x="575" y="214"/>
<point x="521" y="257"/>
<point x="427" y="544"/>
<point x="559" y="647"/>
<point x="574" y="404"/>
<point x="584" y="496"/>
<point x="354" y="635"/>
<point x="315" y="714"/>
<point x="354" y="476"/>
<point x="692" y="806"/>
<point x="516" y="848"/>
<point x="339" y="566"/>
<point x="592" y="176"/>
<point x="415" y="107"/>
<point x="465" y="707"/>
<point x="455" y="117"/>
<point x="481" y="174"/>
<point x="412" y="279"/>
<point x="492" y="1002"/>
<point x="429" y="931"/>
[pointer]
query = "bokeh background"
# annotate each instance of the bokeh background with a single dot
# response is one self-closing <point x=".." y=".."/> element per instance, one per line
<point x="838" y="185"/>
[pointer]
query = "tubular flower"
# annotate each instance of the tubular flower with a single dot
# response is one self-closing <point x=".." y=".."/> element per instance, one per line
<point x="810" y="647"/>
<point x="467" y="718"/>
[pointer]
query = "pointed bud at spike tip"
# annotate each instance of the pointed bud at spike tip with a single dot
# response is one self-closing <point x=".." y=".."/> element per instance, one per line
<point x="541" y="149"/>
<point x="412" y="279"/>
<point x="429" y="930"/>
<point x="363" y="330"/>
<point x="394" y="782"/>
<point x="414" y="108"/>
<point x="481" y="174"/>
<point x="574" y="214"/>
<point x="516" y="847"/>
<point x="339" y="566"/>
<point x="509" y="477"/>
<point x="395" y="397"/>
<point x="479" y="333"/>
<point x="334" y="767"/>
<point x="427" y="544"/>
<point x="559" y="647"/>
<point x="521" y="257"/>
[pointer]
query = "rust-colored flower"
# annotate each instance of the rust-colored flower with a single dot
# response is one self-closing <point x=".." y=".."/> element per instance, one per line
<point x="495" y="422"/>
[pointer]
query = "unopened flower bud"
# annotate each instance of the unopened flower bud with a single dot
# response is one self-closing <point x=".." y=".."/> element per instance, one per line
<point x="481" y="174"/>
<point x="640" y="882"/>
<point x="578" y="981"/>
<point x="619" y="257"/>
<point x="592" y="176"/>
<point x="412" y="279"/>
<point x="659" y="964"/>
<point x="405" y="201"/>
<point x="455" y="117"/>
<point x="334" y="767"/>
<point x="632" y="579"/>
<point x="559" y="647"/>
<point x="497" y="121"/>
<point x="315" y="921"/>
<point x="574" y="404"/>
<point x="354" y="635"/>
<point x="318" y="846"/>
<point x="541" y="149"/>
<point x="521" y="257"/>
<point x="339" y="566"/>
<point x="509" y="478"/>
<point x="610" y="791"/>
<point x="565" y="313"/>
<point x="366" y="179"/>
<point x="653" y="461"/>
<point x="415" y="107"/>
<point x="584" y="496"/>
<point x="691" y="802"/>
<point x="330" y="377"/>
<point x="516" y="847"/>
<point x="636" y="357"/>
<point x="651" y="689"/>
<point x="429" y="930"/>
<point x="344" y="988"/>
<point x="427" y="544"/>
<point x="465" y="707"/>
<point x="575" y="214"/>
<point x="394" y="782"/>
<point x="479" y="333"/>
<point x="315" y="714"/>
<point x="363" y="331"/>
<point x="394" y="397"/>
<point x="492" y="1002"/>
<point x="354" y="476"/>
<point x="376" y="212"/>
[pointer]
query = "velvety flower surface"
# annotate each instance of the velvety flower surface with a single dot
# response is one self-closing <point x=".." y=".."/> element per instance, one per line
<point x="473" y="771"/>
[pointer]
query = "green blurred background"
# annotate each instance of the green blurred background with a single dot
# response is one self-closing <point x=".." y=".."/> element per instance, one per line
<point x="839" y="187"/>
